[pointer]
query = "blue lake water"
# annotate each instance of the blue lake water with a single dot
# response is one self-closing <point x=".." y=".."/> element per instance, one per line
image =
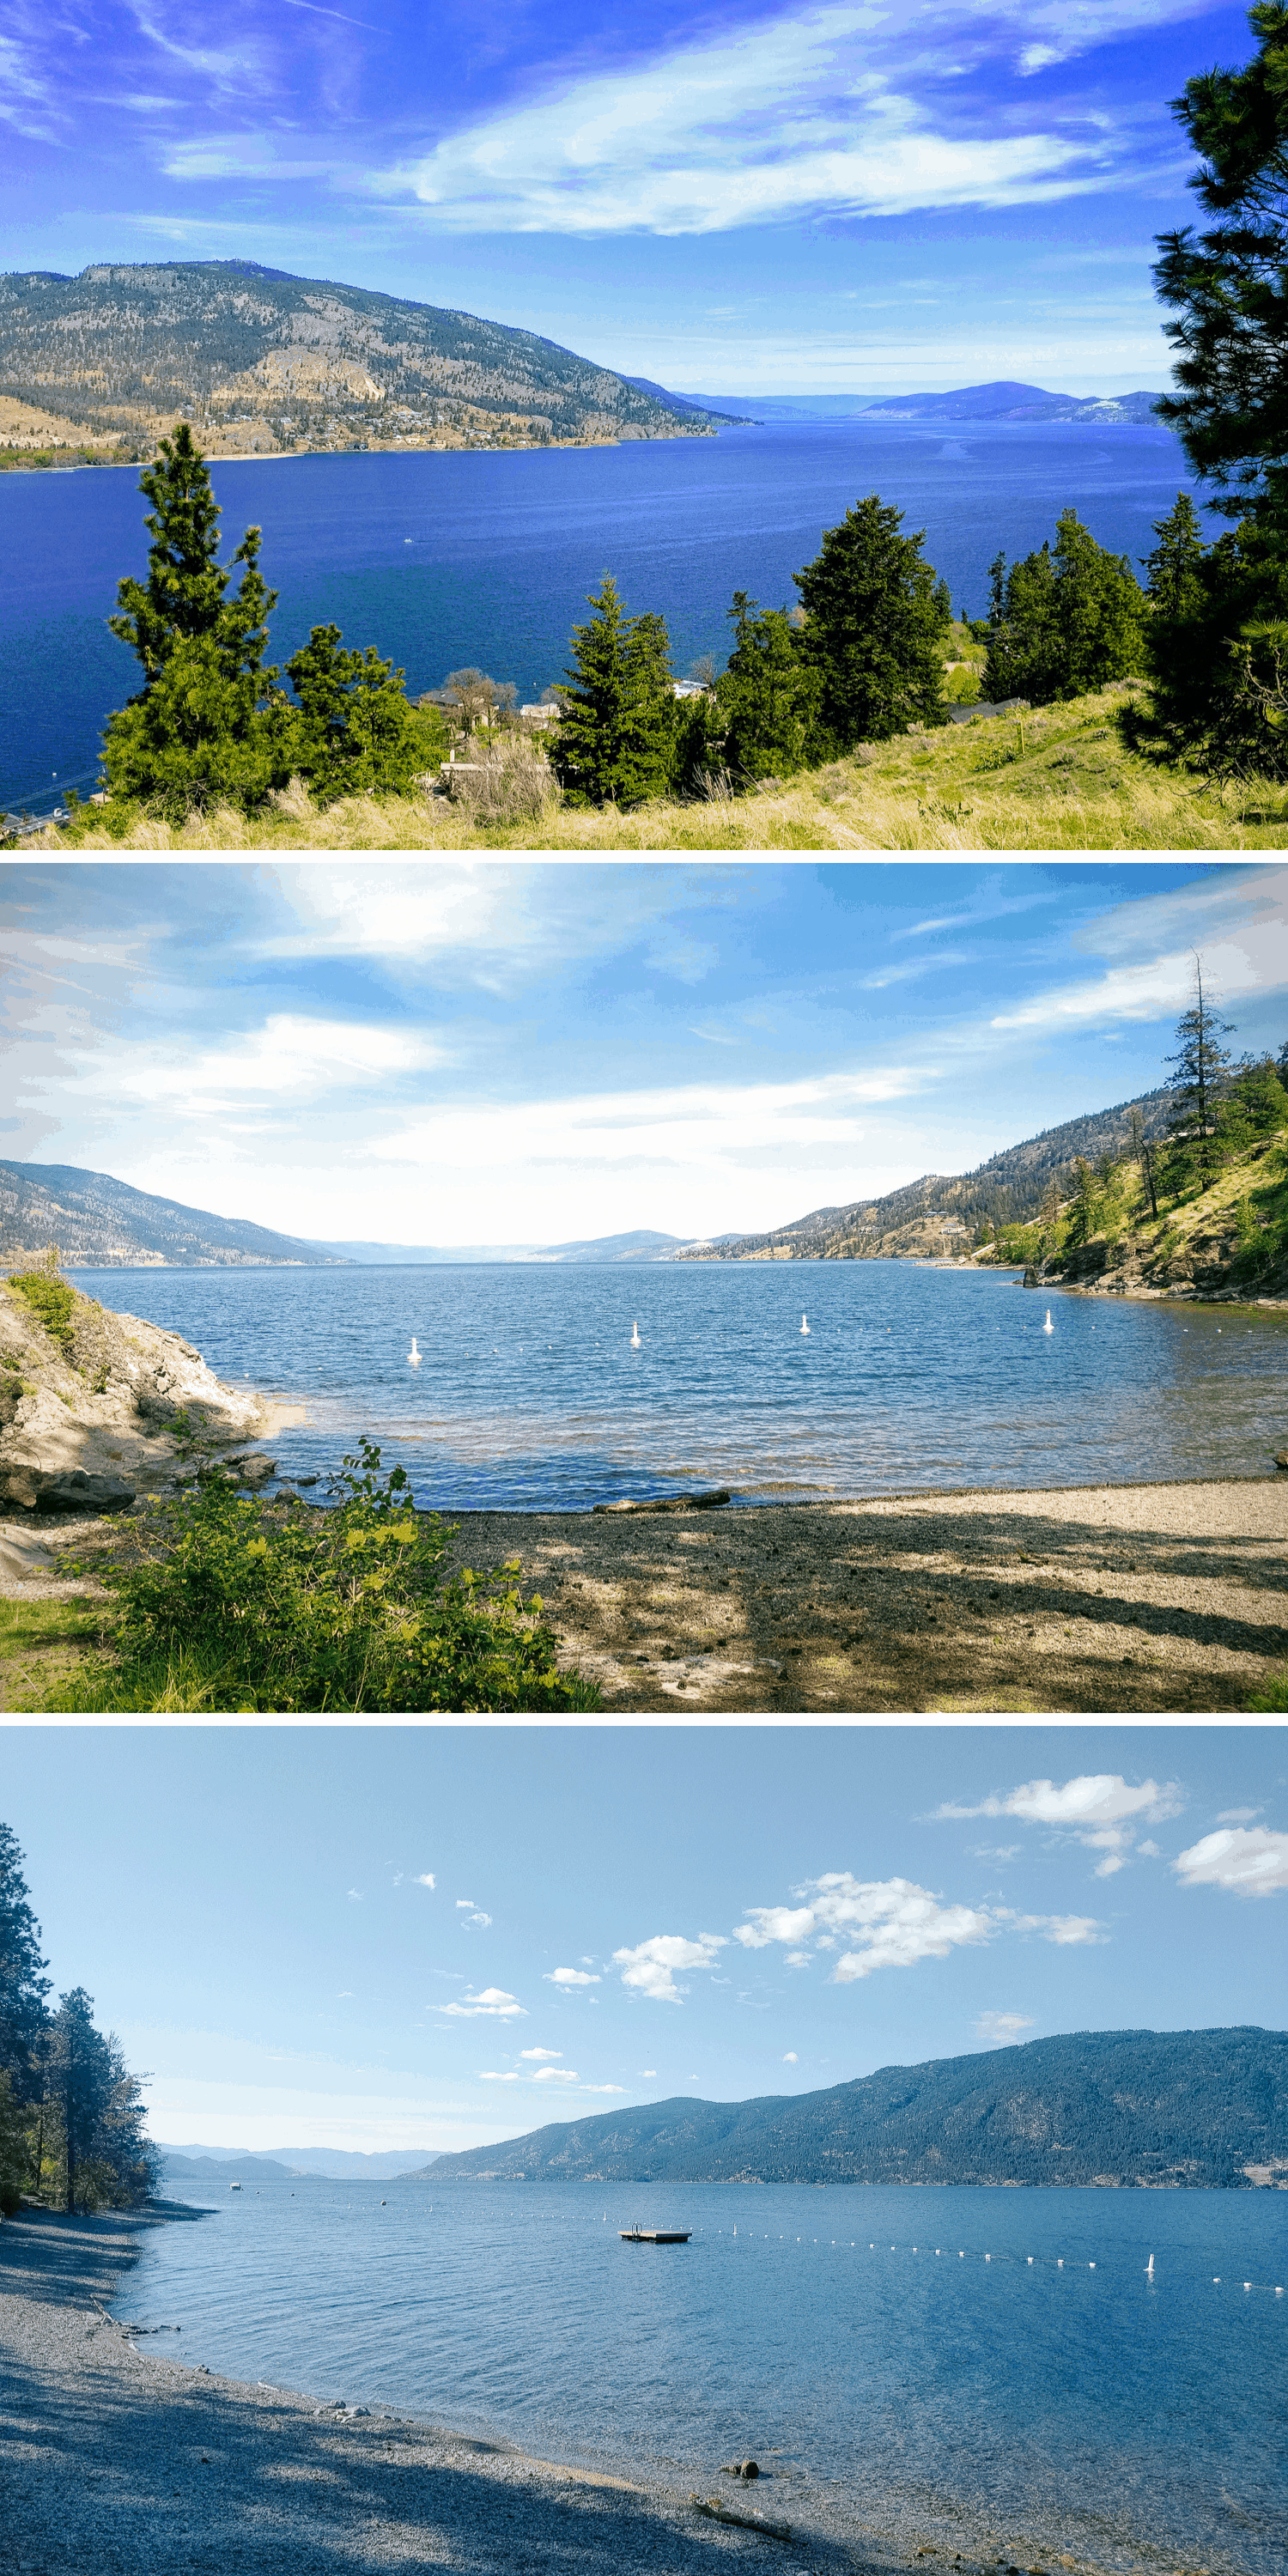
<point x="447" y="559"/>
<point x="529" y="1396"/>
<point x="1135" y="2422"/>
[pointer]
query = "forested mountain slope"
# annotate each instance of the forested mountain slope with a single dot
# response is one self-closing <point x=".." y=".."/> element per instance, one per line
<point x="254" y="357"/>
<point x="100" y="1223"/>
<point x="940" y="1212"/>
<point x="1161" y="2108"/>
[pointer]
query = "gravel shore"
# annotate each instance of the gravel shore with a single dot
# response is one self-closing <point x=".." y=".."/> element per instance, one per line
<point x="123" y="2460"/>
<point x="1086" y="1599"/>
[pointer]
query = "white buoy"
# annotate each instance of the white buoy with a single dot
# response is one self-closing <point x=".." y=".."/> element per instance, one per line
<point x="413" y="1355"/>
<point x="636" y="1343"/>
<point x="1048" y="1327"/>
<point x="804" y="1323"/>
<point x="1149" y="2269"/>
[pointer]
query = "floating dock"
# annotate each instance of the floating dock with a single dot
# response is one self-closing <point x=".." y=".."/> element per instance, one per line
<point x="655" y="2235"/>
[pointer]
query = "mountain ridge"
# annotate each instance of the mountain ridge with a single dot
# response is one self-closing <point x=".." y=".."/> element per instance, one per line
<point x="262" y="361"/>
<point x="104" y="1224"/>
<point x="1136" y="2108"/>
<point x="936" y="1215"/>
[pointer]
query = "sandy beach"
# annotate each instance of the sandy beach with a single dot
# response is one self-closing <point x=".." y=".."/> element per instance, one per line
<point x="116" y="2455"/>
<point x="1087" y="1599"/>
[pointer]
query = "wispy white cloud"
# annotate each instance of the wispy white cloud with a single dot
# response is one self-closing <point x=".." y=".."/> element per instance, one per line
<point x="836" y="108"/>
<point x="510" y="2077"/>
<point x="493" y="2004"/>
<point x="651" y="1967"/>
<point x="1098" y="1808"/>
<point x="1002" y="2027"/>
<point x="1248" y="1862"/>
<point x="570" y="1977"/>
<point x="556" y="2075"/>
<point x="791" y="2058"/>
<point x="536" y="2055"/>
<point x="424" y="1878"/>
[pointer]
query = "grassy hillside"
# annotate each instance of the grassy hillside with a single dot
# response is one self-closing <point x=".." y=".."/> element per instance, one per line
<point x="1057" y="780"/>
<point x="1229" y="1240"/>
<point x="1165" y="2109"/>
<point x="257" y="359"/>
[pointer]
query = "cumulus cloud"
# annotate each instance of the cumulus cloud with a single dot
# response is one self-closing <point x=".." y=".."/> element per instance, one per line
<point x="556" y="2075"/>
<point x="892" y="1923"/>
<point x="511" y="2078"/>
<point x="425" y="1879"/>
<point x="1001" y="2027"/>
<point x="648" y="2074"/>
<point x="493" y="2004"/>
<point x="1250" y="1863"/>
<point x="791" y="2058"/>
<point x="650" y="1968"/>
<point x="1099" y="1808"/>
<point x="569" y="1977"/>
<point x="537" y="2054"/>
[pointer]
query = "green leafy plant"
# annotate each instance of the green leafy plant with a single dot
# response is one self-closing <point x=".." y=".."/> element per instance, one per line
<point x="51" y="1301"/>
<point x="249" y="1606"/>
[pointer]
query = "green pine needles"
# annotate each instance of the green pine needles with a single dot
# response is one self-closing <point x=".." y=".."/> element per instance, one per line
<point x="212" y="722"/>
<point x="614" y="741"/>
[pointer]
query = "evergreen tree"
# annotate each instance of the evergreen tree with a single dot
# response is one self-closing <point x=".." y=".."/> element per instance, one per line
<point x="1218" y="661"/>
<point x="1228" y="287"/>
<point x="1258" y="1100"/>
<point x="1202" y="1073"/>
<point x="697" y="744"/>
<point x="23" y="1983"/>
<point x="874" y="631"/>
<point x="768" y="694"/>
<point x="1082" y="1221"/>
<point x="1063" y="620"/>
<point x="355" y="730"/>
<point x="614" y="738"/>
<point x="204" y="724"/>
<point x="1174" y="588"/>
<point x="98" y="2126"/>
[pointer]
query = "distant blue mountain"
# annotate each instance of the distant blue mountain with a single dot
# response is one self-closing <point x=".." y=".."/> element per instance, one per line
<point x="642" y="1245"/>
<point x="1163" y="2109"/>
<point x="334" y="2164"/>
<point x="1001" y="401"/>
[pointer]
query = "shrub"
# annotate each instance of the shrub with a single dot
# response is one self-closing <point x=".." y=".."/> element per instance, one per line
<point x="51" y="1301"/>
<point x="259" y="1606"/>
<point x="1063" y="621"/>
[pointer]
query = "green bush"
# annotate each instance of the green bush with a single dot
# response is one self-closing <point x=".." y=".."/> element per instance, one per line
<point x="270" y="1606"/>
<point x="51" y="1301"/>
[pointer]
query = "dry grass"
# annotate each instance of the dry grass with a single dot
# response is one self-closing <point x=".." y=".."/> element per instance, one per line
<point x="1059" y="780"/>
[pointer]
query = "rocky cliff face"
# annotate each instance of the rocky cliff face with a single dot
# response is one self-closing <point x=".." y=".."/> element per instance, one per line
<point x="105" y="1409"/>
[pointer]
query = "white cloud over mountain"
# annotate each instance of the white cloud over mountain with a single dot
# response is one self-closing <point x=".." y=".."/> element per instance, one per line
<point x="1248" y="1862"/>
<point x="1100" y="1809"/>
<point x="651" y="1967"/>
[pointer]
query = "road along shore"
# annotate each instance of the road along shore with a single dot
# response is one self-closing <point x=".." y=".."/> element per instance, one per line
<point x="132" y="2462"/>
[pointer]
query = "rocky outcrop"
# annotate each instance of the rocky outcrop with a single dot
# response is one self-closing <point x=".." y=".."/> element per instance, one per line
<point x="110" y="1408"/>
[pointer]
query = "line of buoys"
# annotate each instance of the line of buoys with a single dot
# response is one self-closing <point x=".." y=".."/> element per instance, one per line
<point x="1031" y="2262"/>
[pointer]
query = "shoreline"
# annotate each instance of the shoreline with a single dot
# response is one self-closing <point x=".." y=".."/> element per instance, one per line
<point x="131" y="2462"/>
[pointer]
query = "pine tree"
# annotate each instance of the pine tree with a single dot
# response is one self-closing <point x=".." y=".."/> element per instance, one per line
<point x="1228" y="287"/>
<point x="1174" y="587"/>
<point x="768" y="694"/>
<point x="355" y="730"/>
<point x="874" y="630"/>
<point x="1202" y="1069"/>
<point x="99" y="2126"/>
<point x="614" y="738"/>
<point x="23" y="1984"/>
<point x="205" y="724"/>
<point x="1064" y="620"/>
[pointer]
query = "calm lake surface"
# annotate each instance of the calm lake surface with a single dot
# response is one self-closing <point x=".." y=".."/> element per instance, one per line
<point x="529" y="1396"/>
<point x="446" y="559"/>
<point x="1122" y="2418"/>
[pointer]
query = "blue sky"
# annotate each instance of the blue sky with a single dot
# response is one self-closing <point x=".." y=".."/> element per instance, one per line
<point x="822" y="195"/>
<point x="434" y="1936"/>
<point x="451" y="1051"/>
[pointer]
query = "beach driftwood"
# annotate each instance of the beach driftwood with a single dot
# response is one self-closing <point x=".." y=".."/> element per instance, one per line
<point x="715" y="2511"/>
<point x="672" y="1503"/>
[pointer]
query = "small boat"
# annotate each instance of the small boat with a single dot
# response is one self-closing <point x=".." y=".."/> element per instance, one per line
<point x="234" y="2186"/>
<point x="655" y="2235"/>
